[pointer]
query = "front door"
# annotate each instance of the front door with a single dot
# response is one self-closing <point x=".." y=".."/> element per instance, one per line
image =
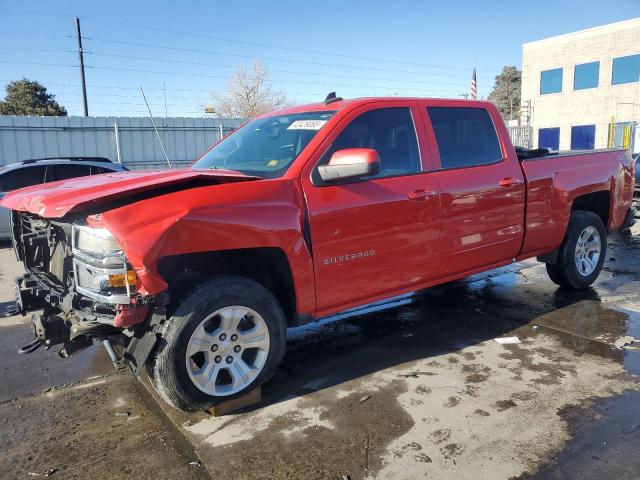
<point x="374" y="236"/>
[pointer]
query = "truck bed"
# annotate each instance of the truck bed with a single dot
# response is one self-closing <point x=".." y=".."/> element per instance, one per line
<point x="556" y="179"/>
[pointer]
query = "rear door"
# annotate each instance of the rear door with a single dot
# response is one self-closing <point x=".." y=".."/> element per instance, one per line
<point x="482" y="188"/>
<point x="377" y="235"/>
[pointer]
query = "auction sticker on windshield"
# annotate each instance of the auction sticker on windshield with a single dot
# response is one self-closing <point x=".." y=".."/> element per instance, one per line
<point x="307" y="125"/>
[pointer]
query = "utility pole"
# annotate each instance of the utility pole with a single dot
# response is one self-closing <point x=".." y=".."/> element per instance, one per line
<point x="84" y="84"/>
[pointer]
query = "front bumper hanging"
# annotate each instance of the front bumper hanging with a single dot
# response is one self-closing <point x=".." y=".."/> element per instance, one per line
<point x="32" y="294"/>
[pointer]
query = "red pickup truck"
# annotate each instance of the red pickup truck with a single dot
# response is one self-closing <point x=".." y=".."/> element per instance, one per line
<point x="298" y="215"/>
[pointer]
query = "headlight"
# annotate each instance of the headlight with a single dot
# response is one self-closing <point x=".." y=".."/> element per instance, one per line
<point x="101" y="269"/>
<point x="95" y="240"/>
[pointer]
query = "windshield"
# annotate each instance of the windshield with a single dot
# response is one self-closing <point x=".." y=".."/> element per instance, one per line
<point x="265" y="147"/>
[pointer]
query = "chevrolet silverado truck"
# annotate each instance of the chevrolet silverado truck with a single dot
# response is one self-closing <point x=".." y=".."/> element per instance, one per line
<point x="196" y="274"/>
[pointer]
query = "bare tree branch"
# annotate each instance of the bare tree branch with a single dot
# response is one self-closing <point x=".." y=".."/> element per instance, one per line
<point x="249" y="94"/>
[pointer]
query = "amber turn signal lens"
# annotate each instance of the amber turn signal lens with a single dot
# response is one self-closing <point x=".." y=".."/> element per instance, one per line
<point x="117" y="280"/>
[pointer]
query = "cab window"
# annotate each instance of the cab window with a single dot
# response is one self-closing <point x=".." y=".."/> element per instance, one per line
<point x="466" y="137"/>
<point x="390" y="131"/>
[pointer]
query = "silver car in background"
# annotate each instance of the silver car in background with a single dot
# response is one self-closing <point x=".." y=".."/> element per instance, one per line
<point x="45" y="170"/>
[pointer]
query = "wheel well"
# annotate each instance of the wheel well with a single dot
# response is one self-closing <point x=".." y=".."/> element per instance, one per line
<point x="596" y="202"/>
<point x="267" y="266"/>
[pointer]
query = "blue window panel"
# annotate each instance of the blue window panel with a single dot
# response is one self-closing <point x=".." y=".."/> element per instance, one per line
<point x="551" y="81"/>
<point x="626" y="70"/>
<point x="549" y="138"/>
<point x="586" y="75"/>
<point x="583" y="137"/>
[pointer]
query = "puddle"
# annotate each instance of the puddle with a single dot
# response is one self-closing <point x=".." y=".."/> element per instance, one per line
<point x="606" y="435"/>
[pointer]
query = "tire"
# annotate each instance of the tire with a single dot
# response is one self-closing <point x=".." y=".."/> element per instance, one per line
<point x="182" y="381"/>
<point x="570" y="271"/>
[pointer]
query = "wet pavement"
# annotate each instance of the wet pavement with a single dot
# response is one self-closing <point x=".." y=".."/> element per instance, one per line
<point x="419" y="391"/>
<point x="77" y="418"/>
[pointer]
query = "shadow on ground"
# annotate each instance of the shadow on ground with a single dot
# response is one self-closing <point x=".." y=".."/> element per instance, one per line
<point x="439" y="321"/>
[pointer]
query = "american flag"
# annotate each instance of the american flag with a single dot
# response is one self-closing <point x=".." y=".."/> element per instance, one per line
<point x="474" y="85"/>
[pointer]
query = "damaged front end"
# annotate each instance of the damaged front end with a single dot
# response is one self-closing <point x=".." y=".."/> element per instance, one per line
<point x="80" y="279"/>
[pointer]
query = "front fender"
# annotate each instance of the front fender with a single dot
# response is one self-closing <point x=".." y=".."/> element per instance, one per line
<point x="266" y="213"/>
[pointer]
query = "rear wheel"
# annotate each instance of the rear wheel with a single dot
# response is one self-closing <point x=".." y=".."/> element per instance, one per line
<point x="225" y="338"/>
<point x="582" y="253"/>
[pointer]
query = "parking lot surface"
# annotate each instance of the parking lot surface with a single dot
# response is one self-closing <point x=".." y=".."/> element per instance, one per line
<point x="78" y="418"/>
<point x="423" y="390"/>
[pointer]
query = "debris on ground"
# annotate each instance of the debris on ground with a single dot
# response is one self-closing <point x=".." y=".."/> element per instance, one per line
<point x="196" y="464"/>
<point x="366" y="455"/>
<point x="625" y="341"/>
<point x="407" y="335"/>
<point x="507" y="340"/>
<point x="46" y="474"/>
<point x="416" y="374"/>
<point x="364" y="399"/>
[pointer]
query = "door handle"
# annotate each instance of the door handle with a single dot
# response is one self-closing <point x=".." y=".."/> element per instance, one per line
<point x="508" y="181"/>
<point x="421" y="194"/>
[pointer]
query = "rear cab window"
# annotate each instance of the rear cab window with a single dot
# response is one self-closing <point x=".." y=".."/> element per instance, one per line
<point x="389" y="131"/>
<point x="466" y="137"/>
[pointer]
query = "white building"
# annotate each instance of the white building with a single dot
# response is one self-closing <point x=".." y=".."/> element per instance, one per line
<point x="584" y="87"/>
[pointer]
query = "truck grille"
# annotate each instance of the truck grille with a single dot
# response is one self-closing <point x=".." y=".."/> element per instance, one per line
<point x="57" y="262"/>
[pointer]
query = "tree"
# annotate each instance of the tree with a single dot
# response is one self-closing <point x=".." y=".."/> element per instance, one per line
<point x="506" y="92"/>
<point x="26" y="97"/>
<point x="249" y="94"/>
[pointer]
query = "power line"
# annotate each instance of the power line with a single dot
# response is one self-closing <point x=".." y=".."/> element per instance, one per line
<point x="118" y="87"/>
<point x="274" y="59"/>
<point x="239" y="55"/>
<point x="25" y="49"/>
<point x="253" y="43"/>
<point x="129" y="96"/>
<point x="217" y="65"/>
<point x="205" y="75"/>
<point x="293" y="72"/>
<point x="295" y="82"/>
<point x="41" y="64"/>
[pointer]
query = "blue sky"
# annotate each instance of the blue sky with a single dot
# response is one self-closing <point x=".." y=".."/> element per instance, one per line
<point x="357" y="48"/>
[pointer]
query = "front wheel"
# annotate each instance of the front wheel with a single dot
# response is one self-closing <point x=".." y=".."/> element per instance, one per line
<point x="582" y="253"/>
<point x="225" y="338"/>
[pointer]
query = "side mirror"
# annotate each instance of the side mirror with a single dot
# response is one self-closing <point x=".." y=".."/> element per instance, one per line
<point x="350" y="163"/>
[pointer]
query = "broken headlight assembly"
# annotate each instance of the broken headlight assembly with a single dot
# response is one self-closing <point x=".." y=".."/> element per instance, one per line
<point x="100" y="268"/>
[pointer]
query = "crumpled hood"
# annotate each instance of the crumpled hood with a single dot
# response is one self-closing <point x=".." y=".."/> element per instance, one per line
<point x="55" y="200"/>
